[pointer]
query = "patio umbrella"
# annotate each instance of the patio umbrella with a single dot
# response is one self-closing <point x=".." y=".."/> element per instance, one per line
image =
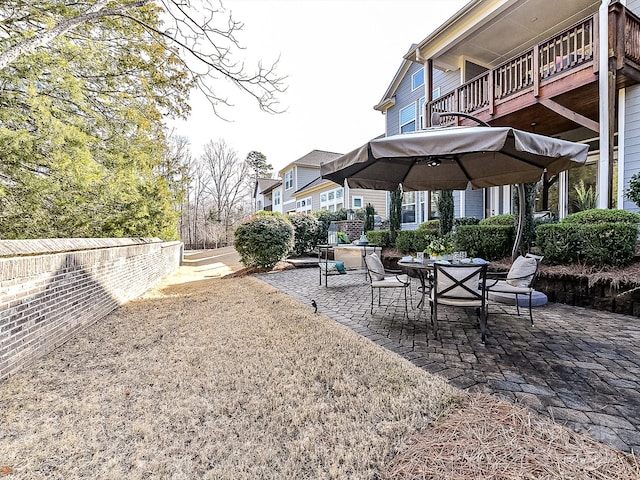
<point x="454" y="158"/>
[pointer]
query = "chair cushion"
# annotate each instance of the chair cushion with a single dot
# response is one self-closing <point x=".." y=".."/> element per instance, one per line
<point x="503" y="287"/>
<point x="392" y="281"/>
<point x="522" y="271"/>
<point x="374" y="264"/>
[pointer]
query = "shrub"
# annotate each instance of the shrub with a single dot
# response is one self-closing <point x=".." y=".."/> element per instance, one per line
<point x="600" y="244"/>
<point x="432" y="226"/>
<point x="490" y="242"/>
<point x="633" y="193"/>
<point x="379" y="237"/>
<point x="559" y="243"/>
<point x="411" y="241"/>
<point x="305" y="228"/>
<point x="343" y="238"/>
<point x="466" y="221"/>
<point x="325" y="218"/>
<point x="263" y="240"/>
<point x="504" y="219"/>
<point x="602" y="216"/>
<point x="609" y="243"/>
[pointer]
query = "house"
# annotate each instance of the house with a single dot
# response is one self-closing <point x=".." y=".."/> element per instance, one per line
<point x="330" y="196"/>
<point x="303" y="191"/>
<point x="569" y="70"/>
<point x="263" y="193"/>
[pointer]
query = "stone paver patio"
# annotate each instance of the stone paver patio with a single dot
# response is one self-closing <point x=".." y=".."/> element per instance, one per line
<point x="579" y="366"/>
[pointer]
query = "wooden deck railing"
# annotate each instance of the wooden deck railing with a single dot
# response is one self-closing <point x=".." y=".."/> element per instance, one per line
<point x="632" y="37"/>
<point x="570" y="49"/>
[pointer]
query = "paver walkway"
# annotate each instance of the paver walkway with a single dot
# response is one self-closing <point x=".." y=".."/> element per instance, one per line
<point x="579" y="366"/>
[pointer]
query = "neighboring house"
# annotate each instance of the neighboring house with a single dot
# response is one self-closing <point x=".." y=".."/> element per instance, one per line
<point x="300" y="173"/>
<point x="571" y="71"/>
<point x="263" y="193"/>
<point x="301" y="190"/>
<point x="323" y="194"/>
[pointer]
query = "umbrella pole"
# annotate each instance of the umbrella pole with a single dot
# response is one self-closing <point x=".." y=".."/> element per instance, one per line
<point x="521" y="220"/>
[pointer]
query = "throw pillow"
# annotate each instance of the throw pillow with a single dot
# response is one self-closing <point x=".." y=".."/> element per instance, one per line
<point x="522" y="271"/>
<point x="340" y="267"/>
<point x="374" y="264"/>
<point x="329" y="267"/>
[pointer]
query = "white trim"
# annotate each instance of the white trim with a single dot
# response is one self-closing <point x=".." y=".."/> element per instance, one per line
<point x="622" y="111"/>
<point x="359" y="197"/>
<point x="603" y="93"/>
<point x="494" y="199"/>
<point x="563" y="194"/>
<point x="463" y="203"/>
<point x="506" y="199"/>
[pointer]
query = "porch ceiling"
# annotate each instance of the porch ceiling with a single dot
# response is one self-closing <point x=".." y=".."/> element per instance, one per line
<point x="505" y="32"/>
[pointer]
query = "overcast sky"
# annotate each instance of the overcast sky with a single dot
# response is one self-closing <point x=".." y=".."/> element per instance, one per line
<point x="339" y="55"/>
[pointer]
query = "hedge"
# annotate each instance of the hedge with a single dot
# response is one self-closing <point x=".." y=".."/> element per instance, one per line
<point x="412" y="241"/>
<point x="379" y="237"/>
<point x="602" y="216"/>
<point x="490" y="242"/>
<point x="600" y="244"/>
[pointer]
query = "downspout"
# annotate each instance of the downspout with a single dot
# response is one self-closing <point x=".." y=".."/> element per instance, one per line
<point x="603" y="105"/>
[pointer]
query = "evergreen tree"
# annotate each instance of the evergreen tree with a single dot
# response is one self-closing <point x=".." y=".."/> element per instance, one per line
<point x="395" y="214"/>
<point x="445" y="208"/>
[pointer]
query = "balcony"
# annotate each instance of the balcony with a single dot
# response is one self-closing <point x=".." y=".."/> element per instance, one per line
<point x="554" y="85"/>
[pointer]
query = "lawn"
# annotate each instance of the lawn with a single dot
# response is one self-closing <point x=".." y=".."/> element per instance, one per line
<point x="232" y="379"/>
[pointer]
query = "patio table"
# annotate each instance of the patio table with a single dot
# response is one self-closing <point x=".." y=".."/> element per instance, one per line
<point x="424" y="271"/>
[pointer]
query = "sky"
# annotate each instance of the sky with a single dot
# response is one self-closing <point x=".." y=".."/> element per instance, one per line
<point x="340" y="56"/>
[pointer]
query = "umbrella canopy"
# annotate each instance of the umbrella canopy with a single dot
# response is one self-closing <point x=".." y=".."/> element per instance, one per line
<point x="452" y="158"/>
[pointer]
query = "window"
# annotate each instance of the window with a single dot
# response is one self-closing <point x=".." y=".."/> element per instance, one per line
<point x="417" y="79"/>
<point x="408" y="119"/>
<point x="332" y="200"/>
<point x="409" y="207"/>
<point x="259" y="205"/>
<point x="435" y="93"/>
<point x="277" y="197"/>
<point x="356" y="203"/>
<point x="288" y="180"/>
<point x="304" y="205"/>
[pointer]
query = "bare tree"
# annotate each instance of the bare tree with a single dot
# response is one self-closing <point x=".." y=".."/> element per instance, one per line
<point x="201" y="32"/>
<point x="228" y="184"/>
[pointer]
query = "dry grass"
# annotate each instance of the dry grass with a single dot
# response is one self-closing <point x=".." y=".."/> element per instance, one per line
<point x="215" y="379"/>
<point x="231" y="379"/>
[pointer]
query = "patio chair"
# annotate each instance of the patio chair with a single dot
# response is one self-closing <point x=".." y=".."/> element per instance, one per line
<point x="459" y="285"/>
<point x="380" y="278"/>
<point x="519" y="280"/>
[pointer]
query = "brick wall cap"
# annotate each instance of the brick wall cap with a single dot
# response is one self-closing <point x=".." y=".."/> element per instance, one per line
<point x="17" y="248"/>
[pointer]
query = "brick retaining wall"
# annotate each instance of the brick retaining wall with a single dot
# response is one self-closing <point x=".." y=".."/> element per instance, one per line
<point x="50" y="289"/>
